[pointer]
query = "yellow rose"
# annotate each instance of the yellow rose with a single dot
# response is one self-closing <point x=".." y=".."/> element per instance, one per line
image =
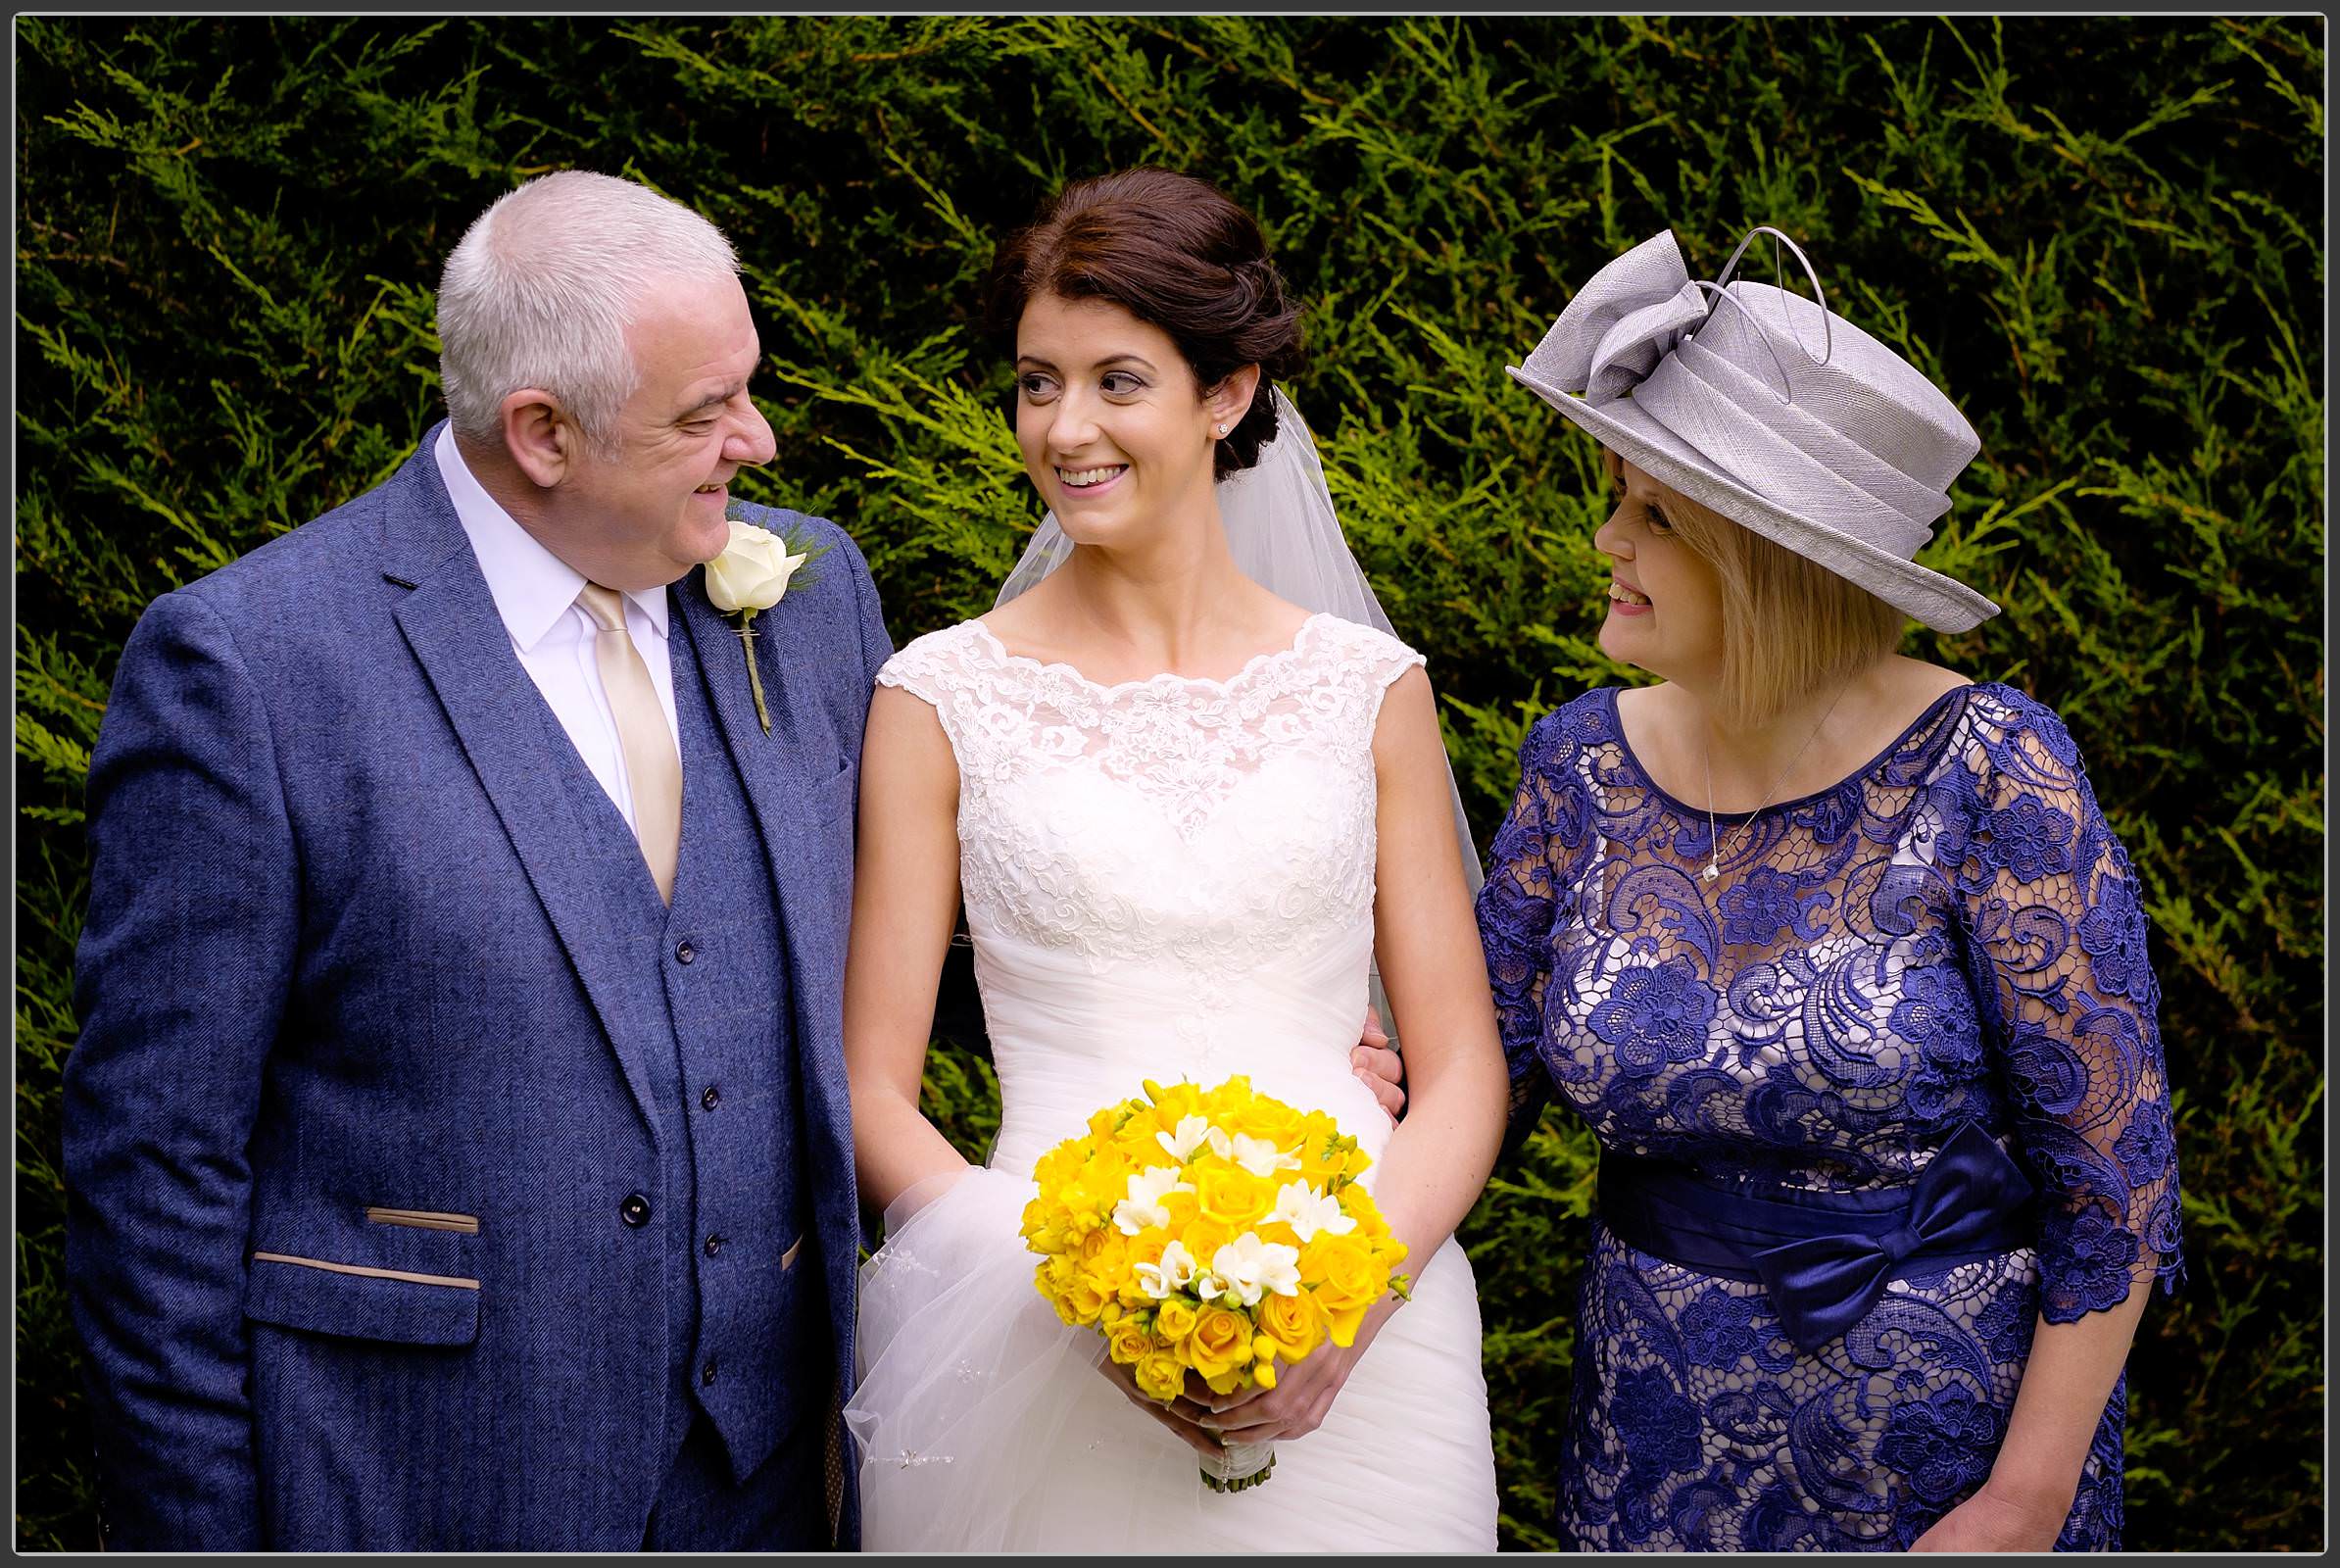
<point x="1344" y="1271"/>
<point x="1345" y="1277"/>
<point x="1359" y="1204"/>
<point x="1293" y="1324"/>
<point x="1182" y="1210"/>
<point x="1221" y="1343"/>
<point x="1175" y="1320"/>
<point x="1161" y="1376"/>
<point x="1230" y="1195"/>
<point x="1203" y="1236"/>
<point x="1127" y="1342"/>
<point x="752" y="571"/>
<point x="1262" y="1117"/>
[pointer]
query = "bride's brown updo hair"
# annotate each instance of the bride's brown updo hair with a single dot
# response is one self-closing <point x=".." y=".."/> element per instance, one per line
<point x="1174" y="252"/>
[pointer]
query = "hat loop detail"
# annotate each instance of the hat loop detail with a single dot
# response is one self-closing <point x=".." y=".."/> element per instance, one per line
<point x="1827" y="337"/>
<point x="1761" y="336"/>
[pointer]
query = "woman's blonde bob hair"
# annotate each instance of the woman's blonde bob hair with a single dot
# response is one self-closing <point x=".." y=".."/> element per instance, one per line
<point x="1789" y="625"/>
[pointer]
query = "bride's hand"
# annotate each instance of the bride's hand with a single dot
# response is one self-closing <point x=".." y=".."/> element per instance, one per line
<point x="1304" y="1389"/>
<point x="1182" y="1417"/>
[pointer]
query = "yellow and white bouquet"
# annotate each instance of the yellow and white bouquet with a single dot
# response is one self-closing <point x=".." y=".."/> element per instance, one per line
<point x="1216" y="1232"/>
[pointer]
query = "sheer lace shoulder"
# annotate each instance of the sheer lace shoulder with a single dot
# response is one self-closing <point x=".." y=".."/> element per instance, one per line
<point x="935" y="665"/>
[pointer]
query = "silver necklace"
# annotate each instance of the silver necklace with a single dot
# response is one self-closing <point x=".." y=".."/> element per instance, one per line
<point x="1714" y="849"/>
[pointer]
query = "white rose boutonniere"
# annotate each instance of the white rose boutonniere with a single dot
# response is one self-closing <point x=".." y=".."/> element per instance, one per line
<point x="748" y="577"/>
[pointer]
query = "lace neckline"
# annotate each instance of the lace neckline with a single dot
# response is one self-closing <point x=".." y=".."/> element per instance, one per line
<point x="1852" y="780"/>
<point x="1165" y="678"/>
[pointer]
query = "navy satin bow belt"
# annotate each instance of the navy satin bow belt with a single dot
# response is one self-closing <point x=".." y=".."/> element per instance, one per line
<point x="1825" y="1257"/>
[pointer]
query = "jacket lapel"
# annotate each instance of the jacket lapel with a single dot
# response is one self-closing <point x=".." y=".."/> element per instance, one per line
<point x="450" y="620"/>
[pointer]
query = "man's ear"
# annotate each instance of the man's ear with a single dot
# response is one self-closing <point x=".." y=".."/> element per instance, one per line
<point x="1231" y="399"/>
<point x="541" y="436"/>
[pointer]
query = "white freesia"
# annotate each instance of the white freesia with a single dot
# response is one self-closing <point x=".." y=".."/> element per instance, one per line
<point x="1192" y="1133"/>
<point x="1260" y="1156"/>
<point x="1144" y="1208"/>
<point x="752" y="571"/>
<point x="1175" y="1272"/>
<point x="1307" y="1213"/>
<point x="1252" y="1267"/>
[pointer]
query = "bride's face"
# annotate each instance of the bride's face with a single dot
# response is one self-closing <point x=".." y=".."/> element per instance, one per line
<point x="1114" y="431"/>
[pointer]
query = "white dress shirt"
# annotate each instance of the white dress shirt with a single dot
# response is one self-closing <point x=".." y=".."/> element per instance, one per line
<point x="536" y="593"/>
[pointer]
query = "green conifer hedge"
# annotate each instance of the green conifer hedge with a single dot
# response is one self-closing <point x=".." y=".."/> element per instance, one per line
<point x="2103" y="234"/>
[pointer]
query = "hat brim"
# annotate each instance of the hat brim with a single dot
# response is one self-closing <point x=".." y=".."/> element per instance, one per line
<point x="1927" y="597"/>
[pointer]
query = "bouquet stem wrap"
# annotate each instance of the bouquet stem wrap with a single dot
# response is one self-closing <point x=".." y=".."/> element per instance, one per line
<point x="1238" y="1466"/>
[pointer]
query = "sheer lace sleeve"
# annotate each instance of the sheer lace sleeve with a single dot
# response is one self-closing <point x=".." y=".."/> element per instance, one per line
<point x="2071" y="1009"/>
<point x="1377" y="658"/>
<point x="925" y="666"/>
<point x="1528" y="868"/>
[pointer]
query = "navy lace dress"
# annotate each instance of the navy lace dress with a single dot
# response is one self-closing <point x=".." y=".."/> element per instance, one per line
<point x="1792" y="1336"/>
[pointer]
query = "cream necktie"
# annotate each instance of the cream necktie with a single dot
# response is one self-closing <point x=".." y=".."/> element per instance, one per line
<point x="653" y="764"/>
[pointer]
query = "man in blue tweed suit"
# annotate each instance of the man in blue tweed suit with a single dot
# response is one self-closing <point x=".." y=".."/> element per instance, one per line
<point x="457" y="1138"/>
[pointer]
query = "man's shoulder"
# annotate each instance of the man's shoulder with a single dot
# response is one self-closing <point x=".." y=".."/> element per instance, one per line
<point x="322" y="556"/>
<point x="310" y="598"/>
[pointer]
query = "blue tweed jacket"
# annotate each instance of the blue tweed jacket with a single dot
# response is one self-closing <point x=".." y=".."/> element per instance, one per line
<point x="340" y="962"/>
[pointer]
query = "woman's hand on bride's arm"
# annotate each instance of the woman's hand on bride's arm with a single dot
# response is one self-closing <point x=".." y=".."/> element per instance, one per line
<point x="905" y="901"/>
<point x="1374" y="1060"/>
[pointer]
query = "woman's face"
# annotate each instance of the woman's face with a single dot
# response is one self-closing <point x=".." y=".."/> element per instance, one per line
<point x="1665" y="600"/>
<point x="1114" y="432"/>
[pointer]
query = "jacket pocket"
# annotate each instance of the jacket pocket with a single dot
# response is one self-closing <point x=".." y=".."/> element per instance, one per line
<point x="354" y="1300"/>
<point x="423" y="1219"/>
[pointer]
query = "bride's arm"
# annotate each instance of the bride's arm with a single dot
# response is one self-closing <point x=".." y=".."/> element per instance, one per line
<point x="906" y="897"/>
<point x="1427" y="942"/>
<point x="1457" y="1086"/>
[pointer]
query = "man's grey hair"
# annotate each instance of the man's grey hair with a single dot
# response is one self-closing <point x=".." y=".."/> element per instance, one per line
<point x="539" y="292"/>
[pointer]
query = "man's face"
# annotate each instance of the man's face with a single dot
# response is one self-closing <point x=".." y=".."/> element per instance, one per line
<point x="654" y="510"/>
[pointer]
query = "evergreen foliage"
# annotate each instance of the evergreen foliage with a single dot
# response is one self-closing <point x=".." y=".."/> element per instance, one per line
<point x="2102" y="234"/>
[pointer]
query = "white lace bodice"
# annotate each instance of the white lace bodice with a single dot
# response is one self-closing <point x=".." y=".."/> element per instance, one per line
<point x="1167" y="878"/>
<point x="1215" y="823"/>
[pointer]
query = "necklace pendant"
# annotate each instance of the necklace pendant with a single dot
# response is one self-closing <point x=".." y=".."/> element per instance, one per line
<point x="1711" y="872"/>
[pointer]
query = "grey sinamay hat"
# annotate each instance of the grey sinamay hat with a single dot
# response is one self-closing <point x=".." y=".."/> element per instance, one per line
<point x="1844" y="458"/>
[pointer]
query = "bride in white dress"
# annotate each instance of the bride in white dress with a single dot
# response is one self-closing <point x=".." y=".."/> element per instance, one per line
<point x="1186" y="816"/>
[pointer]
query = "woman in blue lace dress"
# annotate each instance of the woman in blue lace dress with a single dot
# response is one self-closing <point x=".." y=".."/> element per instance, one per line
<point x="1839" y="958"/>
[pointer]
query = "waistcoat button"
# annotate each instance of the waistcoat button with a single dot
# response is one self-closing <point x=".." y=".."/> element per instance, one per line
<point x="684" y="953"/>
<point x="635" y="1210"/>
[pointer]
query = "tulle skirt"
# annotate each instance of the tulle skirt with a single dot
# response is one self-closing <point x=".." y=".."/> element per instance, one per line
<point x="981" y="1424"/>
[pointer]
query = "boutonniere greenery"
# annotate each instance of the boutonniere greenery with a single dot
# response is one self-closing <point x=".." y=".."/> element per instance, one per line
<point x="749" y="577"/>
